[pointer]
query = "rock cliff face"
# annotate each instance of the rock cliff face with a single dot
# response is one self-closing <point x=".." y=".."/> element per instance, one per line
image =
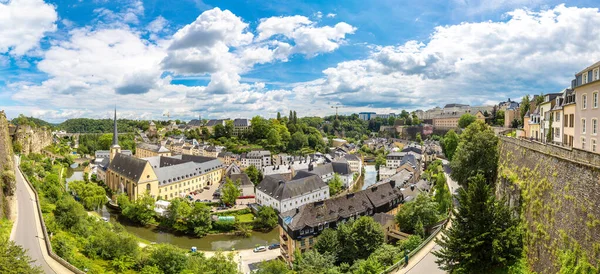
<point x="32" y="140"/>
<point x="557" y="192"/>
<point x="6" y="159"/>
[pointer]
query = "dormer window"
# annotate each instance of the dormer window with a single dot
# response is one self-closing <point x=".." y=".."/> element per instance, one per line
<point x="585" y="78"/>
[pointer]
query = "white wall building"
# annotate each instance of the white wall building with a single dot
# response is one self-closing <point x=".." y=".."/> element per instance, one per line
<point x="284" y="195"/>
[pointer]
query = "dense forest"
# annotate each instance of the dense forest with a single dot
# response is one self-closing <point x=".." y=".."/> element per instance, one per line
<point x="33" y="122"/>
<point x="88" y="143"/>
<point x="102" y="125"/>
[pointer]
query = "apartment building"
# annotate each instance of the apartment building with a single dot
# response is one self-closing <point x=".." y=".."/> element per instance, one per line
<point x="586" y="87"/>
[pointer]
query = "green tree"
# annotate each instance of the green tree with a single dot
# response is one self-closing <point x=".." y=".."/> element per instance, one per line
<point x="91" y="195"/>
<point x="423" y="209"/>
<point x="199" y="220"/>
<point x="266" y="218"/>
<point x="327" y="242"/>
<point x="273" y="138"/>
<point x="485" y="235"/>
<point x="477" y="152"/>
<point x="178" y="212"/>
<point x="230" y="192"/>
<point x="466" y="119"/>
<point x="140" y="211"/>
<point x="312" y="262"/>
<point x="386" y="254"/>
<point x="524" y="106"/>
<point x="69" y="213"/>
<point x="335" y="184"/>
<point x="254" y="174"/>
<point x="367" y="235"/>
<point x="450" y="143"/>
<point x="379" y="161"/>
<point x="168" y="258"/>
<point x="368" y="266"/>
<point x="14" y="259"/>
<point x="273" y="267"/>
<point x="412" y="242"/>
<point x="418" y="138"/>
<point x="442" y="195"/>
<point x="298" y="141"/>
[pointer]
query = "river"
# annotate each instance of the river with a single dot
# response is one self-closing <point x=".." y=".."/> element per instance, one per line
<point x="206" y="243"/>
<point x="370" y="176"/>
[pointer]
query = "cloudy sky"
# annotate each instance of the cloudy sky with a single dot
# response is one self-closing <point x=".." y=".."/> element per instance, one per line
<point x="67" y="59"/>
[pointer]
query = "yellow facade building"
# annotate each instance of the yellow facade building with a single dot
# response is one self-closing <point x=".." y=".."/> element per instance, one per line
<point x="144" y="150"/>
<point x="450" y="120"/>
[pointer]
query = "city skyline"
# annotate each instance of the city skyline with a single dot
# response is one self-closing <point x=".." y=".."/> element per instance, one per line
<point x="197" y="58"/>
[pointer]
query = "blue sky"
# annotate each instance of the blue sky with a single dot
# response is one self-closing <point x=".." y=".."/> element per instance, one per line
<point x="69" y="59"/>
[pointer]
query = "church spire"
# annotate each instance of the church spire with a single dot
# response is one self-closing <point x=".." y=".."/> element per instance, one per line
<point x="115" y="133"/>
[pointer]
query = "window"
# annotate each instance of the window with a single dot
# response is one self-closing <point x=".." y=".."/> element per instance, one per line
<point x="595" y="99"/>
<point x="572" y="123"/>
<point x="594" y="126"/>
<point x="585" y="78"/>
<point x="583" y="101"/>
<point x="583" y="126"/>
<point x="594" y="145"/>
<point x="582" y="143"/>
<point x="566" y="121"/>
<point x="596" y="74"/>
<point x="557" y="118"/>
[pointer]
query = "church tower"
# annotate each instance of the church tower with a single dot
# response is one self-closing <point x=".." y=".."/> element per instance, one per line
<point x="115" y="148"/>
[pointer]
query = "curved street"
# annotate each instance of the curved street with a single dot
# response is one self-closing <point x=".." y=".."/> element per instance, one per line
<point x="27" y="231"/>
<point x="424" y="260"/>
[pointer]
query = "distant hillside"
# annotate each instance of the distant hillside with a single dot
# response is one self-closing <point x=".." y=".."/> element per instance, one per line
<point x="33" y="122"/>
<point x="102" y="125"/>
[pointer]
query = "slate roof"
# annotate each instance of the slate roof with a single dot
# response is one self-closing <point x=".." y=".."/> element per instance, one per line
<point x="241" y="122"/>
<point x="243" y="177"/>
<point x="327" y="211"/>
<point x="258" y="153"/>
<point x="382" y="194"/>
<point x="351" y="157"/>
<point x="214" y="122"/>
<point x="195" y="123"/>
<point x="455" y="105"/>
<point x="588" y="68"/>
<point x="343" y="207"/>
<point x="383" y="218"/>
<point x="152" y="147"/>
<point x="128" y="166"/>
<point x="409" y="158"/>
<point x="276" y="187"/>
<point x="341" y="167"/>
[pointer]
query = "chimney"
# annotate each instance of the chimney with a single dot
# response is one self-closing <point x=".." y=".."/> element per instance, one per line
<point x="393" y="183"/>
<point x="297" y="210"/>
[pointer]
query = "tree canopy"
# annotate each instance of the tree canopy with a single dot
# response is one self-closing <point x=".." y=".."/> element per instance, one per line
<point x="466" y="119"/>
<point x="335" y="184"/>
<point x="484" y="236"/>
<point x="230" y="192"/>
<point x="477" y="152"/>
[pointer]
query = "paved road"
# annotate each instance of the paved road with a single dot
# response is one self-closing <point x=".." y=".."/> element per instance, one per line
<point x="427" y="264"/>
<point x="424" y="260"/>
<point x="26" y="232"/>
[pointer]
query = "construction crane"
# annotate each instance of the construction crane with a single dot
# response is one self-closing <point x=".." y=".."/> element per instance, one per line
<point x="336" y="110"/>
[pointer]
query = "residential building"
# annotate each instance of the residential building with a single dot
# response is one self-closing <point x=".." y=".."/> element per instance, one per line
<point x="586" y="86"/>
<point x="385" y="116"/>
<point x="284" y="195"/>
<point x="241" y="126"/>
<point x="366" y="116"/>
<point x="257" y="158"/>
<point x="337" y="142"/>
<point x="227" y="157"/>
<point x="569" y="108"/>
<point x="162" y="177"/>
<point x="386" y="172"/>
<point x="327" y="171"/>
<point x="299" y="227"/>
<point x="526" y="128"/>
<point x="449" y="120"/>
<point x="534" y="125"/>
<point x="393" y="159"/>
<point x="354" y="161"/>
<point x="546" y="116"/>
<point x="210" y="125"/>
<point x="144" y="150"/>
<point x="557" y="116"/>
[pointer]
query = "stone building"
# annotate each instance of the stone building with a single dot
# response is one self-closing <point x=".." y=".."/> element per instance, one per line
<point x="586" y="86"/>
<point x="284" y="195"/>
<point x="144" y="150"/>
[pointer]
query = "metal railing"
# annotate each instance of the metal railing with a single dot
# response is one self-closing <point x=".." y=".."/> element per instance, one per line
<point x="400" y="263"/>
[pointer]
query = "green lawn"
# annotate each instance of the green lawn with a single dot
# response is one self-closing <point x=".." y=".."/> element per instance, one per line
<point x="245" y="218"/>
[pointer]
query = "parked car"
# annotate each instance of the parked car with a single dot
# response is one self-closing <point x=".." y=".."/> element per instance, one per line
<point x="274" y="246"/>
<point x="207" y="187"/>
<point x="105" y="219"/>
<point x="260" y="249"/>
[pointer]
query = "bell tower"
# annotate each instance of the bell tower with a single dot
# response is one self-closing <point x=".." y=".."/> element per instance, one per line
<point x="115" y="148"/>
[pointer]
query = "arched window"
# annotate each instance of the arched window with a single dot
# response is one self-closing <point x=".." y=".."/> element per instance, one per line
<point x="148" y="187"/>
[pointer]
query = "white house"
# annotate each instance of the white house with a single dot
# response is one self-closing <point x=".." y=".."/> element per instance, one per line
<point x="257" y="158"/>
<point x="284" y="195"/>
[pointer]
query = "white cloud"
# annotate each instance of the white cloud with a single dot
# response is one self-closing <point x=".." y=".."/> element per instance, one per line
<point x="23" y="24"/>
<point x="331" y="15"/>
<point x="470" y="62"/>
<point x="128" y="15"/>
<point x="157" y="25"/>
